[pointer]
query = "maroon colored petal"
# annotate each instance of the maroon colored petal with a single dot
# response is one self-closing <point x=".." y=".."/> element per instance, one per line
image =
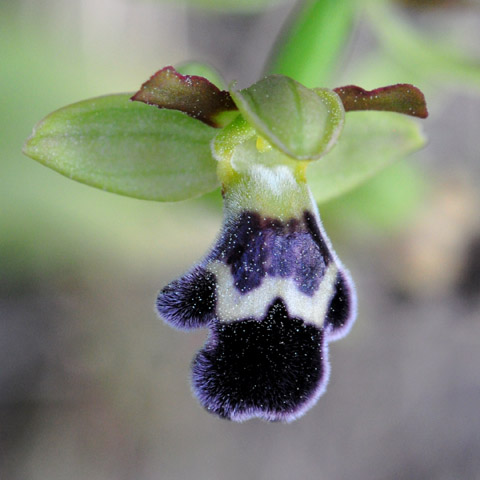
<point x="400" y="98"/>
<point x="194" y="95"/>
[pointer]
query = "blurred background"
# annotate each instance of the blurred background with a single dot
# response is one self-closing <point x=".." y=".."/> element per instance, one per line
<point x="94" y="386"/>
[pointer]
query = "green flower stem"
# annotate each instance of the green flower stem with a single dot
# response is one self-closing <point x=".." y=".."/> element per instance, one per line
<point x="310" y="52"/>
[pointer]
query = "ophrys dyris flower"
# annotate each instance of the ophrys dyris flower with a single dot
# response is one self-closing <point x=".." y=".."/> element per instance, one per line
<point x="271" y="291"/>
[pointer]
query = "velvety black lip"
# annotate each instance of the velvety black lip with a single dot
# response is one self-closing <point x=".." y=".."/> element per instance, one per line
<point x="270" y="368"/>
<point x="273" y="366"/>
<point x="341" y="310"/>
<point x="190" y="301"/>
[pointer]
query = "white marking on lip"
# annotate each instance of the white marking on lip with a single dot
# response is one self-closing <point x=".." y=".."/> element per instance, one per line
<point x="233" y="305"/>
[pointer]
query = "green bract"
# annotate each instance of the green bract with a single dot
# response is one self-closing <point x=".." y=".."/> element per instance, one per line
<point x="168" y="150"/>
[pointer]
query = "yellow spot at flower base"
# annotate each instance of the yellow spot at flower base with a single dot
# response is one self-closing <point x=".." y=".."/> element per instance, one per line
<point x="263" y="145"/>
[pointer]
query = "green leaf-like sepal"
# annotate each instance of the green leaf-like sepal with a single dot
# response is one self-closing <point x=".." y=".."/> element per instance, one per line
<point x="298" y="121"/>
<point x="127" y="148"/>
<point x="370" y="142"/>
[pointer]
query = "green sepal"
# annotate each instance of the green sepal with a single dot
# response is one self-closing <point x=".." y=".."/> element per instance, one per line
<point x="384" y="203"/>
<point x="302" y="123"/>
<point x="370" y="142"/>
<point x="127" y="148"/>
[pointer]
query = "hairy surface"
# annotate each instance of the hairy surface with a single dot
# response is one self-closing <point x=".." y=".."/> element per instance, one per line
<point x="255" y="247"/>
<point x="189" y="302"/>
<point x="273" y="368"/>
<point x="273" y="293"/>
<point x="342" y="308"/>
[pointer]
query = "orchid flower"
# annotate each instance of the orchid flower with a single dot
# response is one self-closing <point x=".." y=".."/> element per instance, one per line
<point x="271" y="290"/>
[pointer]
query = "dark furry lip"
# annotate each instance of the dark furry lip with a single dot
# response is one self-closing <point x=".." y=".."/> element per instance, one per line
<point x="275" y="365"/>
<point x="269" y="368"/>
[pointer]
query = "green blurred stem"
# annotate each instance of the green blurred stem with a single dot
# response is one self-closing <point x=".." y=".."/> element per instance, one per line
<point x="309" y="49"/>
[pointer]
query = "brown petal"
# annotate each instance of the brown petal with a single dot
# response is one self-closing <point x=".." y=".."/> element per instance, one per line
<point x="193" y="95"/>
<point x="400" y="98"/>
